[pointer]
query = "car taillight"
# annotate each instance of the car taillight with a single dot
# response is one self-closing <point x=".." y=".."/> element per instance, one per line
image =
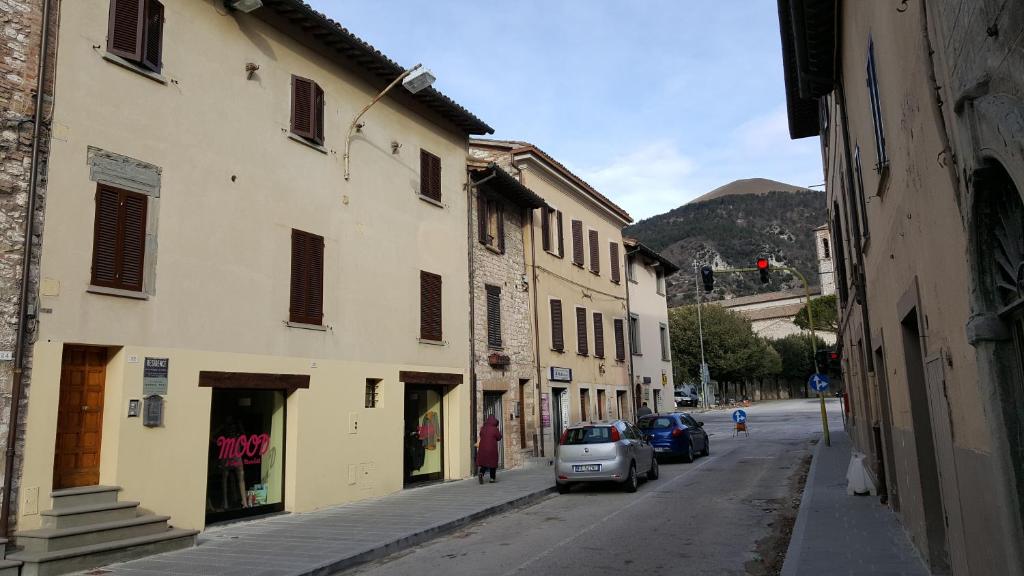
<point x="677" y="432"/>
<point x="615" y="434"/>
<point x="564" y="438"/>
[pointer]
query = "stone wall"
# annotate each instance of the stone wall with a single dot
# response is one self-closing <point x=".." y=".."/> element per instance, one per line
<point x="20" y="34"/>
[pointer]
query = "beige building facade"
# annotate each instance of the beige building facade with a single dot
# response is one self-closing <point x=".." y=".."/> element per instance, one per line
<point x="920" y="111"/>
<point x="648" y="330"/>
<point x="228" y="324"/>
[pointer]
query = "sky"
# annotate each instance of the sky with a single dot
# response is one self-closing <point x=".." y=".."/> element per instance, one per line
<point x="652" y="102"/>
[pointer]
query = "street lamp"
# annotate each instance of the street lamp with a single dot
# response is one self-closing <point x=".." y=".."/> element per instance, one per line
<point x="414" y="79"/>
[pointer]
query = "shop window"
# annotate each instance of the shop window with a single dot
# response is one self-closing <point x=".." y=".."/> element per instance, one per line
<point x="372" y="390"/>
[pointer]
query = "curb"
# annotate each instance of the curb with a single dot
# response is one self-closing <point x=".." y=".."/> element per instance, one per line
<point x="424" y="535"/>
<point x="790" y="566"/>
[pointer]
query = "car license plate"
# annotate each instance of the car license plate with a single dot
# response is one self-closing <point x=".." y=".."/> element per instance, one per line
<point x="660" y="449"/>
<point x="586" y="468"/>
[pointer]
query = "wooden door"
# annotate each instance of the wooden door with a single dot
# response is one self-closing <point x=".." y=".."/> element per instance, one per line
<point x="80" y="417"/>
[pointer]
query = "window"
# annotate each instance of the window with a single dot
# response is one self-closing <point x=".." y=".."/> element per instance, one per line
<point x="584" y="404"/>
<point x="557" y="336"/>
<point x="598" y="335"/>
<point x="631" y="268"/>
<point x="840" y="258"/>
<point x="135" y="32"/>
<point x="490" y="223"/>
<point x="119" y="239"/>
<point x="551" y="231"/>
<point x="372" y="389"/>
<point x="307" y="110"/>
<point x="876" y="108"/>
<point x="595" y="253"/>
<point x="430" y="307"/>
<point x="493" y="316"/>
<point x="577" y="243"/>
<point x="825" y="248"/>
<point x="659" y="278"/>
<point x="620" y="340"/>
<point x="430" y="175"/>
<point x="634" y="334"/>
<point x="581" y="331"/>
<point x="307" y="286"/>
<point x="861" y="202"/>
<point x="613" y="253"/>
<point x="666" y="354"/>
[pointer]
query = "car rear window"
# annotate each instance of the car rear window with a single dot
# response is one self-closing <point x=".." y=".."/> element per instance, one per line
<point x="588" y="435"/>
<point x="659" y="422"/>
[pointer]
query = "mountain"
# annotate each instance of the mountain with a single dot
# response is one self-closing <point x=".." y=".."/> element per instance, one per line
<point x="731" y="227"/>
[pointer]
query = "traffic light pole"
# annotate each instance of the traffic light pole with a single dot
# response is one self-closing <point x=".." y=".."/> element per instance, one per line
<point x="700" y="331"/>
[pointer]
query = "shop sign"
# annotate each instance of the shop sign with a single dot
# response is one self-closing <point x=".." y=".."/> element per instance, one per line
<point x="242" y="449"/>
<point x="545" y="411"/>
<point x="561" y="374"/>
<point x="154" y="376"/>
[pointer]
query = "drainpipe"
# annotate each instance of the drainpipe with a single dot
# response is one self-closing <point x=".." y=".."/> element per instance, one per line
<point x="30" y="211"/>
<point x="470" y="186"/>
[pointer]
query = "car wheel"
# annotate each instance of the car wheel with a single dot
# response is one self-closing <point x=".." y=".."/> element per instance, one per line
<point x="689" y="456"/>
<point x="707" y="448"/>
<point x="631" y="482"/>
<point x="563" y="488"/>
<point x="652" y="474"/>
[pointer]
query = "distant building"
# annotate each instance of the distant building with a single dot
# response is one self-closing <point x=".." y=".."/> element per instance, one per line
<point x="649" y="341"/>
<point x="826" y="270"/>
<point x="771" y="315"/>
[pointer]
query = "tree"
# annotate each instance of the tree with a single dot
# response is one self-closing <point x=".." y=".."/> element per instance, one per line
<point x="733" y="352"/>
<point x="797" y="356"/>
<point x="826" y="314"/>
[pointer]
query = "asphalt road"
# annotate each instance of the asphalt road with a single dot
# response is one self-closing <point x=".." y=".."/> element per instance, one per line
<point x="701" y="518"/>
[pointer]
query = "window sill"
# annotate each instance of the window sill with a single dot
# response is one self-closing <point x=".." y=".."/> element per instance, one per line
<point x="430" y="200"/>
<point x="496" y="348"/>
<point x="303" y="326"/>
<point x="616" y="282"/>
<point x="637" y="353"/>
<point x="431" y="342"/>
<point x="659" y="293"/>
<point x="557" y="350"/>
<point x="633" y="281"/>
<point x="555" y="254"/>
<point x="133" y="67"/>
<point x="865" y="244"/>
<point x="595" y="272"/>
<point x="117" y="292"/>
<point x="883" y="180"/>
<point x="492" y="249"/>
<point x="583" y="354"/>
<point x="307" y="143"/>
<point x="578" y="265"/>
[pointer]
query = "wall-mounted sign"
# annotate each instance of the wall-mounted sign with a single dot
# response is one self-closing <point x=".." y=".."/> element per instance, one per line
<point x="647" y="379"/>
<point x="153" y="411"/>
<point x="6" y="355"/>
<point x="133" y="408"/>
<point x="664" y="378"/>
<point x="154" y="376"/>
<point x="545" y="411"/>
<point x="561" y="374"/>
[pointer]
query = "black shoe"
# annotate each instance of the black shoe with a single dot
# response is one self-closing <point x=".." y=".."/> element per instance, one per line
<point x="480" y="478"/>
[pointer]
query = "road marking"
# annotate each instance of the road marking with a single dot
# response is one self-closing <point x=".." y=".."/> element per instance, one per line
<point x="601" y="522"/>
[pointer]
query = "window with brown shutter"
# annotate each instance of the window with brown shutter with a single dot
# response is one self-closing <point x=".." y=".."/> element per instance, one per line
<point x="135" y="31"/>
<point x="119" y="239"/>
<point x="545" y="228"/>
<point x="430" y="175"/>
<point x="493" y="316"/>
<point x="598" y="335"/>
<point x="595" y="253"/>
<point x="430" y="307"/>
<point x="561" y="239"/>
<point x="307" y="110"/>
<point x="613" y="252"/>
<point x="581" y="332"/>
<point x="307" y="283"/>
<point x="490" y="221"/>
<point x="620" y="340"/>
<point x="577" y="243"/>
<point x="557" y="335"/>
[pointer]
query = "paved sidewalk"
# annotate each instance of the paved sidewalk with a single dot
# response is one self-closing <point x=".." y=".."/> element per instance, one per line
<point x="837" y="534"/>
<point x="326" y="541"/>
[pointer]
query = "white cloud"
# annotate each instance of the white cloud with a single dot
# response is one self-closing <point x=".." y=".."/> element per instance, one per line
<point x="763" y="134"/>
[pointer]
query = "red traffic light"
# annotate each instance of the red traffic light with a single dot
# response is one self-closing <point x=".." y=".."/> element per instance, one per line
<point x="762" y="263"/>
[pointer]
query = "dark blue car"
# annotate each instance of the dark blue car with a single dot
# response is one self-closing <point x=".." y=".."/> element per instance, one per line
<point x="675" y="434"/>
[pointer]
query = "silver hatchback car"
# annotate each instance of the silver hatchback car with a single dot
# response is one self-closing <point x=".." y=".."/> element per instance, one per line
<point x="614" y="451"/>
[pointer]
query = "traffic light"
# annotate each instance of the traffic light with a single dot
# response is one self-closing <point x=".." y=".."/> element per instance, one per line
<point x="707" y="275"/>
<point x="828" y="362"/>
<point x="762" y="267"/>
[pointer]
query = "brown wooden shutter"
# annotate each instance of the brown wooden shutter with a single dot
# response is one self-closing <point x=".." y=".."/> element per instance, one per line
<point x="430" y="175"/>
<point x="307" y="281"/>
<point x="106" y="237"/>
<point x="493" y="316"/>
<point x="595" y="253"/>
<point x="557" y="336"/>
<point x="153" y="35"/>
<point x="318" y="113"/>
<point x="481" y="218"/>
<point x="598" y="335"/>
<point x="613" y="251"/>
<point x="430" y="306"/>
<point x="125" y="28"/>
<point x="561" y="239"/>
<point x="577" y="242"/>
<point x="133" y="244"/>
<point x="620" y="340"/>
<point x="302" y="107"/>
<point x="581" y="331"/>
<point x="545" y="228"/>
<point x="501" y="227"/>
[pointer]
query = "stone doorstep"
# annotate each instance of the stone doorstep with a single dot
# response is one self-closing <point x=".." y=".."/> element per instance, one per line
<point x="85" y="495"/>
<point x="9" y="568"/>
<point x="89" y="514"/>
<point x="93" y="555"/>
<point x="52" y="539"/>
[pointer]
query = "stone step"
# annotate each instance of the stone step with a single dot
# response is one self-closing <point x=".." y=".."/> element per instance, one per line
<point x="89" y="514"/>
<point x="83" y="496"/>
<point x="53" y="539"/>
<point x="9" y="568"/>
<point x="86" y="557"/>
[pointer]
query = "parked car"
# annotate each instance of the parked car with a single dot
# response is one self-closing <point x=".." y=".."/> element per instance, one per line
<point x="614" y="451"/>
<point x="676" y="434"/>
<point x="686" y="396"/>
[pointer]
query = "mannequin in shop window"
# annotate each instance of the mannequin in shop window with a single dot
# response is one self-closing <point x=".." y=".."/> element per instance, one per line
<point x="229" y="465"/>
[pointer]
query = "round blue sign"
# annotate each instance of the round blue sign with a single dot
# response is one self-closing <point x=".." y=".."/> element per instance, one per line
<point x="739" y="416"/>
<point x="818" y="382"/>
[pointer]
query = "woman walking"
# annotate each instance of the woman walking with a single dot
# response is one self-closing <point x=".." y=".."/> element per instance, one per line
<point x="487" y="449"/>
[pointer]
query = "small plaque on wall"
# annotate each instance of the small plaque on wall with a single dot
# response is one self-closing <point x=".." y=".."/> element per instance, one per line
<point x="153" y="411"/>
<point x="133" y="408"/>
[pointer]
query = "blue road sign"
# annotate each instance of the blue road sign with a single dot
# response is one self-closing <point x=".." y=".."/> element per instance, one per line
<point x="739" y="416"/>
<point x="818" y="382"/>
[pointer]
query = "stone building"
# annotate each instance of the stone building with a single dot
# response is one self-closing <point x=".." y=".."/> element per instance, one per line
<point x="826" y="267"/>
<point x="919" y="107"/>
<point x="771" y="314"/>
<point x="504" y="366"/>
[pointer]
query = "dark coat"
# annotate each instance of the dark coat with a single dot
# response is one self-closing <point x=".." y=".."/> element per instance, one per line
<point x="487" y="453"/>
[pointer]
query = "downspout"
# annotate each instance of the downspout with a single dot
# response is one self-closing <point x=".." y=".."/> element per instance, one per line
<point x="470" y="186"/>
<point x="26" y="264"/>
